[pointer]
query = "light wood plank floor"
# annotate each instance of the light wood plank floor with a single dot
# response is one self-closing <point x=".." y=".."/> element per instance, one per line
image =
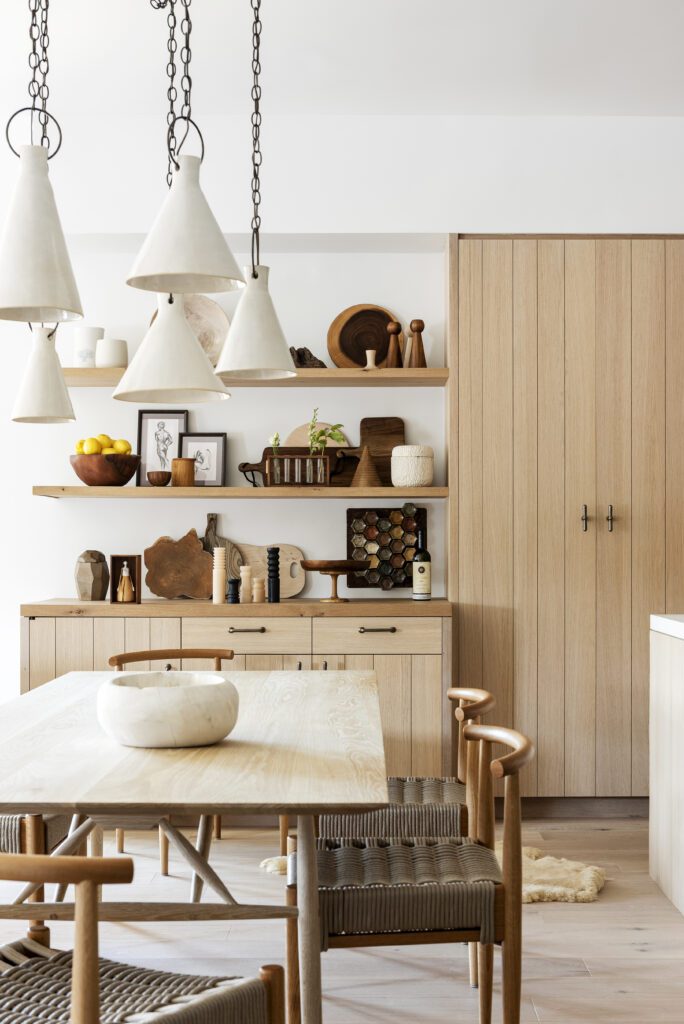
<point x="617" y="960"/>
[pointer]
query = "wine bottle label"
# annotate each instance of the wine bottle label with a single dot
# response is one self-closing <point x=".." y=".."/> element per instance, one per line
<point x="422" y="577"/>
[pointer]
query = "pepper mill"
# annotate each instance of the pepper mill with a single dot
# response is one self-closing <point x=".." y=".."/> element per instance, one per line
<point x="273" y="560"/>
<point x="394" y="357"/>
<point x="233" y="591"/>
<point x="417" y="354"/>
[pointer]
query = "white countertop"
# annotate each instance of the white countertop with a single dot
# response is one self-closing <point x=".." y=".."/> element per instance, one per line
<point x="673" y="625"/>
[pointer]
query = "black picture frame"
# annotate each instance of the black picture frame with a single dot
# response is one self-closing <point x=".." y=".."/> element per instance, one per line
<point x="221" y="440"/>
<point x="180" y="416"/>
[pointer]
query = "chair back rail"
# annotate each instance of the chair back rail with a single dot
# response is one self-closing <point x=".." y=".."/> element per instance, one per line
<point x="218" y="655"/>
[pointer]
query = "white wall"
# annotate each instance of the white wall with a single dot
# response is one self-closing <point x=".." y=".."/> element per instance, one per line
<point x="46" y="536"/>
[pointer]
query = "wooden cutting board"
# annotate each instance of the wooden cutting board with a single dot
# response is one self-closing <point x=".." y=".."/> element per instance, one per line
<point x="212" y="539"/>
<point x="381" y="434"/>
<point x="290" y="558"/>
<point x="179" y="568"/>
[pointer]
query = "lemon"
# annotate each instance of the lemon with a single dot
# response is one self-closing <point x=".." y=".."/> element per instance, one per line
<point x="92" y="446"/>
<point x="109" y="451"/>
<point x="79" y="447"/>
<point x="122" y="447"/>
<point x="105" y="440"/>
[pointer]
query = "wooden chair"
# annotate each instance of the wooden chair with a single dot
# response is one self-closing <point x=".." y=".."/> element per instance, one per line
<point x="204" y="836"/>
<point x="426" y="806"/>
<point x="38" y="983"/>
<point x="369" y="895"/>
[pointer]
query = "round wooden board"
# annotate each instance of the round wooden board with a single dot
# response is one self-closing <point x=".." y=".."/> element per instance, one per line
<point x="357" y="328"/>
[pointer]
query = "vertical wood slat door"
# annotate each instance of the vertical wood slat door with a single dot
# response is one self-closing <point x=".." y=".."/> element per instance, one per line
<point x="613" y="488"/>
<point x="571" y="370"/>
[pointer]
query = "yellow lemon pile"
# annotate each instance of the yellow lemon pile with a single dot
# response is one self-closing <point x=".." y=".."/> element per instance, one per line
<point x="103" y="445"/>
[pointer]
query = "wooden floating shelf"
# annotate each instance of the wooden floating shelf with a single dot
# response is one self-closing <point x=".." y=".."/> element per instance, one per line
<point x="258" y="493"/>
<point x="430" y="377"/>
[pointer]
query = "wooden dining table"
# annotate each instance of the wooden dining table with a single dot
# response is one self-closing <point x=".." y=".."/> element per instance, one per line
<point x="305" y="743"/>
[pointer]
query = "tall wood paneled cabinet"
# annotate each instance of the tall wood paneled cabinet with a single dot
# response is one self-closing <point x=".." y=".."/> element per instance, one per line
<point x="568" y="451"/>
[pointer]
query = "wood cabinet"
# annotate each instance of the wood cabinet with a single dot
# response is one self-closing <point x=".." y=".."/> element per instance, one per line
<point x="568" y="351"/>
<point x="410" y="653"/>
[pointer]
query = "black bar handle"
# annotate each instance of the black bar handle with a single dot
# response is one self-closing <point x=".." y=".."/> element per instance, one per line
<point x="377" y="629"/>
<point x="254" y="629"/>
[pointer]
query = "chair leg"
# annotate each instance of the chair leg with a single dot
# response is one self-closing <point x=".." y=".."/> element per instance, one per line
<point x="203" y="847"/>
<point x="472" y="963"/>
<point x="283" y="828"/>
<point x="163" y="853"/>
<point x="292" y="960"/>
<point x="512" y="975"/>
<point x="120" y="835"/>
<point x="485" y="975"/>
<point x="217" y="826"/>
<point x="35" y="843"/>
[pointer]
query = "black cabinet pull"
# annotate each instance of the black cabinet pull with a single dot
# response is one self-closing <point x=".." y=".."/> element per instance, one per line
<point x="585" y="519"/>
<point x="377" y="629"/>
<point x="253" y="629"/>
<point x="325" y="666"/>
<point x="610" y="518"/>
<point x="299" y="666"/>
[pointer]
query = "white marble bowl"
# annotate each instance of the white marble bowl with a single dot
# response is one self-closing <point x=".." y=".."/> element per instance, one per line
<point x="167" y="709"/>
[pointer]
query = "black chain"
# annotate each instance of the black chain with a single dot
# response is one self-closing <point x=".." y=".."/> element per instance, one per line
<point x="39" y="64"/>
<point x="256" y="134"/>
<point x="171" y="70"/>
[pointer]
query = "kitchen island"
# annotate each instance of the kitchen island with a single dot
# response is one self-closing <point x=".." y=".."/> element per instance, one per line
<point x="666" y="811"/>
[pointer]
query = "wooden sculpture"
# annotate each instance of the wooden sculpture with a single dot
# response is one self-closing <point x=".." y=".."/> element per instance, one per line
<point x="366" y="474"/>
<point x="416" y="358"/>
<point x="394" y="356"/>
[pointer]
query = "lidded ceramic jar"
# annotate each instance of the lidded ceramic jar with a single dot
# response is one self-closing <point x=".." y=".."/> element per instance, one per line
<point x="413" y="465"/>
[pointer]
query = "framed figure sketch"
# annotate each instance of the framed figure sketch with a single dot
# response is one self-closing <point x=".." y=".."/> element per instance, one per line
<point x="159" y="433"/>
<point x="209" y="453"/>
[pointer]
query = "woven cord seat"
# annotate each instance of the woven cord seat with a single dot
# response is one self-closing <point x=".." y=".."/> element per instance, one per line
<point x="417" y="807"/>
<point x="56" y="828"/>
<point x="38" y="991"/>
<point x="375" y="886"/>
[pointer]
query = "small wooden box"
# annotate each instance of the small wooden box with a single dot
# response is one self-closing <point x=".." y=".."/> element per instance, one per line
<point x="115" y="566"/>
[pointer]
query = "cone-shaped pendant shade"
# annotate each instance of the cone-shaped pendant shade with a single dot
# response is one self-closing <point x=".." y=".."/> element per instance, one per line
<point x="185" y="250"/>
<point x="170" y="365"/>
<point x="43" y="395"/>
<point x="256" y="348"/>
<point x="36" y="280"/>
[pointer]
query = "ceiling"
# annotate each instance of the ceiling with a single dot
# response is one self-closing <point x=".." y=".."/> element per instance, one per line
<point x="389" y="57"/>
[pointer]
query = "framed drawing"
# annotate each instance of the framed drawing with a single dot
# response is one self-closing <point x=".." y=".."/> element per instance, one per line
<point x="159" y="433"/>
<point x="209" y="453"/>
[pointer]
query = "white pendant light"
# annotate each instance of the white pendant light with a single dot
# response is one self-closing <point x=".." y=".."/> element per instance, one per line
<point x="170" y="365"/>
<point x="256" y="348"/>
<point x="36" y="279"/>
<point x="43" y="395"/>
<point x="185" y="250"/>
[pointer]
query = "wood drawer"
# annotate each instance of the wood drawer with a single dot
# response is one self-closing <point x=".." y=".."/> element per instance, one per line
<point x="267" y="636"/>
<point x="398" y="636"/>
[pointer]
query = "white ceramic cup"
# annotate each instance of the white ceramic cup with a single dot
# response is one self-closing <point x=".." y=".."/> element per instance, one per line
<point x="111" y="352"/>
<point x="85" y="342"/>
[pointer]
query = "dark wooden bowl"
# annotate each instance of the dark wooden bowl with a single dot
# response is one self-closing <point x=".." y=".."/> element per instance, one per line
<point x="359" y="328"/>
<point x="105" y="470"/>
<point x="158" y="477"/>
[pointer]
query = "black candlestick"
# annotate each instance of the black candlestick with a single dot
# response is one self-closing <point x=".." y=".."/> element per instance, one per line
<point x="234" y="591"/>
<point x="273" y="561"/>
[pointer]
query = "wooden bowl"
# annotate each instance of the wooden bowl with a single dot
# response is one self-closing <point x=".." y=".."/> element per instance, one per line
<point x="334" y="568"/>
<point x="158" y="477"/>
<point x="105" y="470"/>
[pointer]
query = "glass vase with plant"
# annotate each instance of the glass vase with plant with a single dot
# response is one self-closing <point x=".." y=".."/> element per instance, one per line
<point x="275" y="461"/>
<point x="318" y="441"/>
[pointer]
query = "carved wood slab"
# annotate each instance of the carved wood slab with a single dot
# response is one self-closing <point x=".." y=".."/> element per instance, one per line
<point x="179" y="568"/>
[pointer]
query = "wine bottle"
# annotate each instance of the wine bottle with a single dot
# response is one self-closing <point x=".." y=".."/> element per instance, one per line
<point x="422" y="571"/>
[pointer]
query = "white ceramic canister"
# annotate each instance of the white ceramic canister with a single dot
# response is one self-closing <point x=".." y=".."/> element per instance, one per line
<point x="413" y="465"/>
<point x="111" y="352"/>
<point x="85" y="343"/>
